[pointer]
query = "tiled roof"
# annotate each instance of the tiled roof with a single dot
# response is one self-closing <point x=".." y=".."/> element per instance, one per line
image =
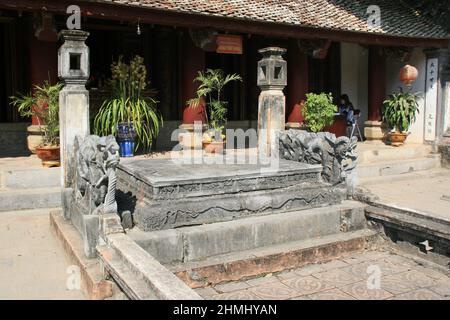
<point x="349" y="15"/>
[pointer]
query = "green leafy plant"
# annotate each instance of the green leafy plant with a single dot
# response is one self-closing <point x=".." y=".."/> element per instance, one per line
<point x="212" y="83"/>
<point x="128" y="105"/>
<point x="400" y="110"/>
<point x="319" y="111"/>
<point x="43" y="103"/>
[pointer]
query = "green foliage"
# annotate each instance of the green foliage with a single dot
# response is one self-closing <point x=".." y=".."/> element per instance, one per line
<point x="128" y="105"/>
<point x="400" y="109"/>
<point x="212" y="83"/>
<point x="43" y="103"/>
<point x="319" y="111"/>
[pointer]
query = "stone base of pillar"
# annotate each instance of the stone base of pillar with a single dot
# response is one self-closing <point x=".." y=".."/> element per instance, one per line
<point x="373" y="130"/>
<point x="189" y="138"/>
<point x="444" y="150"/>
<point x="74" y="121"/>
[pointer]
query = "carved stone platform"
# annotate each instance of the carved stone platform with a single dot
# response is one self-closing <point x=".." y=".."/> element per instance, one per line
<point x="169" y="195"/>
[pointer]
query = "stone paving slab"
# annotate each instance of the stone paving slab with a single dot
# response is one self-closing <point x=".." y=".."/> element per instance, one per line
<point x="347" y="278"/>
<point x="333" y="294"/>
<point x="420" y="193"/>
<point x="421" y="294"/>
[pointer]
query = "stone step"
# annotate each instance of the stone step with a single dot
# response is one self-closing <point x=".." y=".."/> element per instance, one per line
<point x="370" y="153"/>
<point x="199" y="242"/>
<point x="30" y="178"/>
<point x="93" y="284"/>
<point x="276" y="258"/>
<point x="134" y="288"/>
<point x="139" y="274"/>
<point x="387" y="168"/>
<point x="20" y="199"/>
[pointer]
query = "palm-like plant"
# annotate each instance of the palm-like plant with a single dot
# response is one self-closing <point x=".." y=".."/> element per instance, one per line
<point x="212" y="82"/>
<point x="43" y="103"/>
<point x="128" y="105"/>
<point x="400" y="110"/>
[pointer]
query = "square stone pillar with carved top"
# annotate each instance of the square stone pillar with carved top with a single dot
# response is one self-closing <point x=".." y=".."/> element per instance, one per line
<point x="73" y="69"/>
<point x="444" y="105"/>
<point x="272" y="78"/>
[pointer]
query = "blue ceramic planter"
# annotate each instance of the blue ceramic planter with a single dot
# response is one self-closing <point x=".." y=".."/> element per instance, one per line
<point x="126" y="139"/>
<point x="126" y="148"/>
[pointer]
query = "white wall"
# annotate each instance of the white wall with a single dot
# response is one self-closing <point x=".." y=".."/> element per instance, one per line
<point x="354" y="80"/>
<point x="393" y="83"/>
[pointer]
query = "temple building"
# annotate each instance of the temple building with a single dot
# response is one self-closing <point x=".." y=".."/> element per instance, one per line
<point x="338" y="46"/>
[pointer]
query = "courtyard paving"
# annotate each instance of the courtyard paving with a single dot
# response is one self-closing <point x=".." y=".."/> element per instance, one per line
<point x="33" y="264"/>
<point x="427" y="192"/>
<point x="401" y="278"/>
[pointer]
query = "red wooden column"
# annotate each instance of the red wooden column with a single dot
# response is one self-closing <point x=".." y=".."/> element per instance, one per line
<point x="43" y="58"/>
<point x="297" y="87"/>
<point x="193" y="61"/>
<point x="376" y="93"/>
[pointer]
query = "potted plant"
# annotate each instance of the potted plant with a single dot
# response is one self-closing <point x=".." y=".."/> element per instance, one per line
<point x="212" y="82"/>
<point x="44" y="105"/>
<point x="128" y="114"/>
<point x="399" y="112"/>
<point x="318" y="111"/>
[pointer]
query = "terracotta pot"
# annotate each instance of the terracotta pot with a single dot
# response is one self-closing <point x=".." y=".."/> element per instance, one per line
<point x="49" y="155"/>
<point x="214" y="146"/>
<point x="397" y="139"/>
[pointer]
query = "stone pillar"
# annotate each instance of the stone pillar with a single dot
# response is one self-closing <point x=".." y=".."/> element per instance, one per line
<point x="272" y="78"/>
<point x="437" y="94"/>
<point x="446" y="103"/>
<point x="444" y="114"/>
<point x="297" y="86"/>
<point x="193" y="61"/>
<point x="377" y="93"/>
<point x="73" y="69"/>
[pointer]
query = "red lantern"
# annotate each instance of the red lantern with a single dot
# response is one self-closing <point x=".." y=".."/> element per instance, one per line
<point x="408" y="74"/>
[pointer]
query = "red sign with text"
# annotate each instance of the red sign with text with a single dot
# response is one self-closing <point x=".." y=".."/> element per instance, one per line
<point x="230" y="44"/>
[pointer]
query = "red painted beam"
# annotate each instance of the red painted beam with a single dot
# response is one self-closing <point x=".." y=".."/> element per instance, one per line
<point x="101" y="10"/>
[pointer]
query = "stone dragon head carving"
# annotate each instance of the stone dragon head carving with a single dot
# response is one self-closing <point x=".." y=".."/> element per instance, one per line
<point x="95" y="178"/>
<point x="337" y="155"/>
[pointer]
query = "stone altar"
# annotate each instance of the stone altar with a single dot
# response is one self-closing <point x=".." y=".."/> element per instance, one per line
<point x="169" y="195"/>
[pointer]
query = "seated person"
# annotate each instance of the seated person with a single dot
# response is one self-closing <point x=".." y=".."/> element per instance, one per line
<point x="346" y="109"/>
